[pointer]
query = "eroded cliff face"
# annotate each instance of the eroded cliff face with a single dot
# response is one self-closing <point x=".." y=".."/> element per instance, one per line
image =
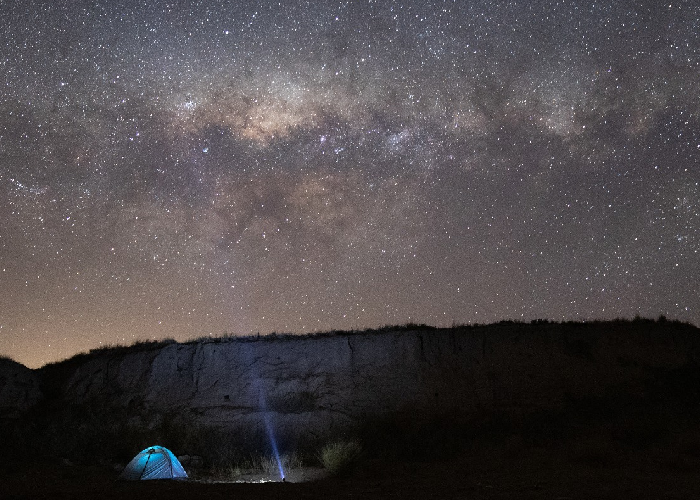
<point x="314" y="387"/>
<point x="19" y="389"/>
<point x="309" y="385"/>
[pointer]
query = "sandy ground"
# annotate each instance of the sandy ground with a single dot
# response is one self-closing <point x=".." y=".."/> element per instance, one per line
<point x="519" y="474"/>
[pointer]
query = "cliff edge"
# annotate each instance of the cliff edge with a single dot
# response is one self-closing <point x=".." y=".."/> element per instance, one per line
<point x="311" y="388"/>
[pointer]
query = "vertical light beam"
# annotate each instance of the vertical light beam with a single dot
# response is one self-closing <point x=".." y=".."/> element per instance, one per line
<point x="262" y="406"/>
<point x="273" y="443"/>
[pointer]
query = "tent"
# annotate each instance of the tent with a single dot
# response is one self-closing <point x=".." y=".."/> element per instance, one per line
<point x="155" y="462"/>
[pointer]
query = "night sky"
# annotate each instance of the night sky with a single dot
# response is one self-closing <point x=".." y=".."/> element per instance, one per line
<point x="184" y="169"/>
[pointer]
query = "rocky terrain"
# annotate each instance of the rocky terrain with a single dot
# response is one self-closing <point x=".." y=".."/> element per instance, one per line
<point x="511" y="410"/>
<point x="310" y="389"/>
<point x="19" y="389"/>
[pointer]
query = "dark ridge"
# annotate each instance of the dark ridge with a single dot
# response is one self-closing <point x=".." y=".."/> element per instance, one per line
<point x="608" y="390"/>
<point x="6" y="360"/>
<point x="153" y="345"/>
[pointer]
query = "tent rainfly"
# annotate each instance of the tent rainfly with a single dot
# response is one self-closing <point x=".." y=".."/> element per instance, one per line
<point x="155" y="462"/>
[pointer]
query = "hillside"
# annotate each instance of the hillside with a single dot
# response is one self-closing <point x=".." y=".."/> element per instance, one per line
<point x="545" y="377"/>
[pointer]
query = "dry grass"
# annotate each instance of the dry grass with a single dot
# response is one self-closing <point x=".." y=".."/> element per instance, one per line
<point x="340" y="457"/>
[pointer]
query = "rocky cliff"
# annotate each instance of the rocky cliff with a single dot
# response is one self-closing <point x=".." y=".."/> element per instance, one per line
<point x="319" y="385"/>
<point x="19" y="389"/>
<point x="312" y="388"/>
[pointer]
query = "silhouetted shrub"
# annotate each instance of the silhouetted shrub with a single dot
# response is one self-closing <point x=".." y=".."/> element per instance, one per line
<point x="340" y="457"/>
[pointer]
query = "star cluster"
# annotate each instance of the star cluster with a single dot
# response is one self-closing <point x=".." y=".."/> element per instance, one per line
<point x="180" y="169"/>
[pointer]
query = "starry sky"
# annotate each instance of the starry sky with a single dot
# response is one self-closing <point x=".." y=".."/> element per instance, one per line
<point x="190" y="168"/>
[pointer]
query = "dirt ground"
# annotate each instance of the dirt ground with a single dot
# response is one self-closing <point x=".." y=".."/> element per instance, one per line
<point x="514" y="473"/>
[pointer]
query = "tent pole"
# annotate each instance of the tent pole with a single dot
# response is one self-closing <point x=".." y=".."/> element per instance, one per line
<point x="150" y="452"/>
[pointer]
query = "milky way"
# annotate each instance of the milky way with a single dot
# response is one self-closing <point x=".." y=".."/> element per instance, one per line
<point x="182" y="169"/>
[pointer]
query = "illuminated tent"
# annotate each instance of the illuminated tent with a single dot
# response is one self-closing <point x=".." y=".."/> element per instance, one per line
<point x="155" y="462"/>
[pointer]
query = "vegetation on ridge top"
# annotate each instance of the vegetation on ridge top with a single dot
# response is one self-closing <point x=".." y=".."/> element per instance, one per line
<point x="152" y="345"/>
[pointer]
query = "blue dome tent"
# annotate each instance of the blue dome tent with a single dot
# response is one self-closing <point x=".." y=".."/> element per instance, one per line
<point x="155" y="462"/>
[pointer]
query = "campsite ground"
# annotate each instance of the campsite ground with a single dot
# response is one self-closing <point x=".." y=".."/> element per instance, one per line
<point x="507" y="470"/>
